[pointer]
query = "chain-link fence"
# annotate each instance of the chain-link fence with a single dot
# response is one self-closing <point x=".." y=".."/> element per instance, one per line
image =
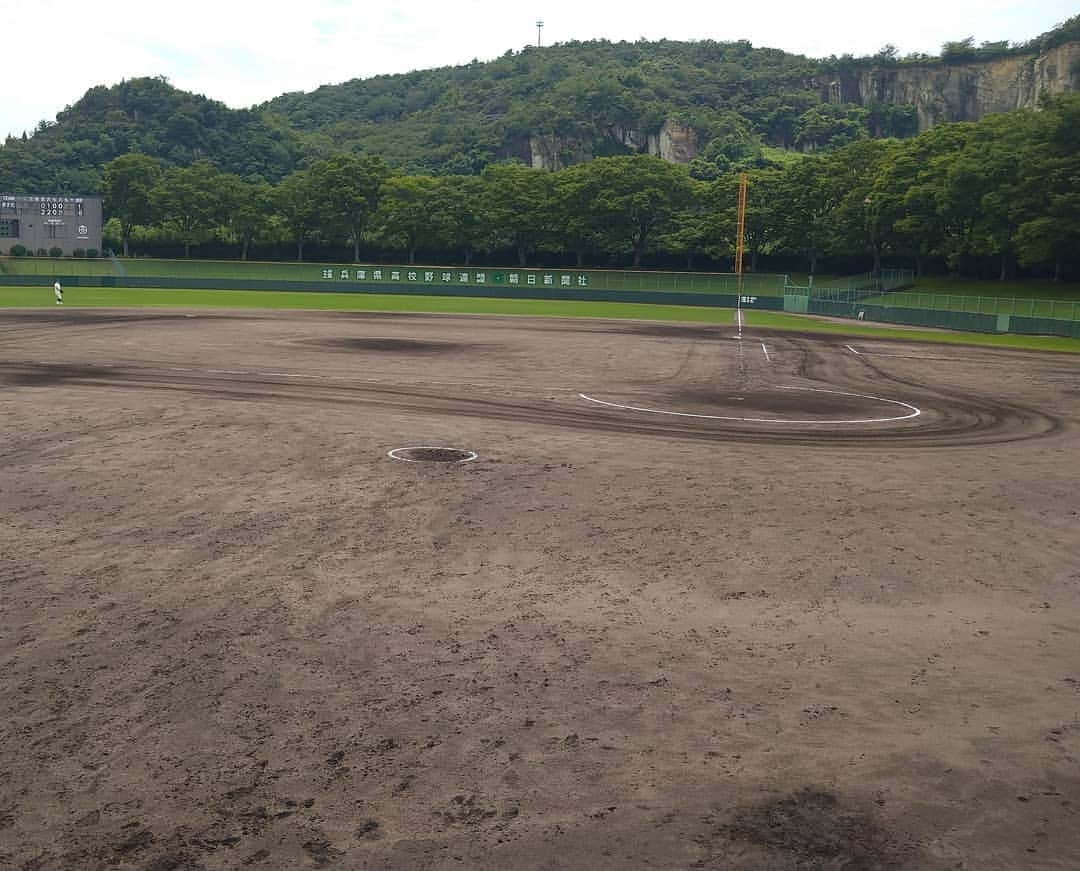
<point x="887" y="303"/>
<point x="854" y="287"/>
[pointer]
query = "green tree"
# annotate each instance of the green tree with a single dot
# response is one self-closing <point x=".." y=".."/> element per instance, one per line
<point x="984" y="179"/>
<point x="691" y="230"/>
<point x="248" y="210"/>
<point x="517" y="206"/>
<point x="189" y="201"/>
<point x="960" y="51"/>
<point x="765" y="209"/>
<point x="348" y="188"/>
<point x="809" y="194"/>
<point x="914" y="185"/>
<point x="860" y="221"/>
<point x="829" y="126"/>
<point x="730" y="142"/>
<point x="457" y="215"/>
<point x="637" y="199"/>
<point x="1048" y="234"/>
<point x="126" y="184"/>
<point x="296" y="201"/>
<point x="404" y="216"/>
<point x="575" y="224"/>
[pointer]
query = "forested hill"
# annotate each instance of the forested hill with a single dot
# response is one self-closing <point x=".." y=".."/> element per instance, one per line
<point x="561" y="104"/>
<point x="149" y="116"/>
<point x="715" y="106"/>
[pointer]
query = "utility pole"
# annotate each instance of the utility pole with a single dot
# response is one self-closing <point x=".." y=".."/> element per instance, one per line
<point x="539" y="27"/>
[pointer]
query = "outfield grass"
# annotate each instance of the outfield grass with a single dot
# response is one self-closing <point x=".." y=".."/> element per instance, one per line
<point x="245" y="299"/>
<point x="781" y="321"/>
<point x="248" y="299"/>
<point x="1025" y="289"/>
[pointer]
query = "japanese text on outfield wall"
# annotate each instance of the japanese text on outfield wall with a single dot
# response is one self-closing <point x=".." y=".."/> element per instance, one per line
<point x="457" y="276"/>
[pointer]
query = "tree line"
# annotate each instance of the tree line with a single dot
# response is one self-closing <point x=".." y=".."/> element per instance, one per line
<point x="998" y="196"/>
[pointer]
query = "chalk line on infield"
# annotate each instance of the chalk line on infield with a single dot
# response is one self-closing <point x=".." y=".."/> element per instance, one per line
<point x="913" y="410"/>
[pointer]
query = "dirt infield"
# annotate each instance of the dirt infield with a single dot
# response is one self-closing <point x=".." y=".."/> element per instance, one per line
<point x="789" y="602"/>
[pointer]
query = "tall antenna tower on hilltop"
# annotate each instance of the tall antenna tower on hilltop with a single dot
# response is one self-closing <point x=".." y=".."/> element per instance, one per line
<point x="539" y="28"/>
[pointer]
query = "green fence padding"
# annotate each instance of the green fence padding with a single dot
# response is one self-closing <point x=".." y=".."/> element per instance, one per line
<point x="966" y="321"/>
<point x="1045" y="327"/>
<point x="754" y="284"/>
<point x="796" y="303"/>
<point x="793" y="302"/>
<point x="496" y="291"/>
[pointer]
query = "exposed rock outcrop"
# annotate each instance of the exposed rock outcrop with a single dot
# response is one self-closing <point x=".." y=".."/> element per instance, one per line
<point x="962" y="92"/>
<point x="939" y="92"/>
<point x="628" y="137"/>
<point x="674" y="141"/>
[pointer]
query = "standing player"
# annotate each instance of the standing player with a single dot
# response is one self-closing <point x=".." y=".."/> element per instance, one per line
<point x="58" y="291"/>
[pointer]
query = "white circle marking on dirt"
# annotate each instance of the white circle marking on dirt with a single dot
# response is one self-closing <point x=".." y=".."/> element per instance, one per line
<point x="914" y="411"/>
<point x="472" y="455"/>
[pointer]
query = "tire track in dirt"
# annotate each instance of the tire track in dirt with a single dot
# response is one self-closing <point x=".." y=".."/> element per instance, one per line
<point x="954" y="421"/>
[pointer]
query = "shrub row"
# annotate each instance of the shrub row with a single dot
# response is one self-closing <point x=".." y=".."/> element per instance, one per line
<point x="23" y="251"/>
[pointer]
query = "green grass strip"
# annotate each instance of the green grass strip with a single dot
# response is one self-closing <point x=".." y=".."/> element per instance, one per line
<point x="807" y="323"/>
<point x="1021" y="289"/>
<point x="246" y="299"/>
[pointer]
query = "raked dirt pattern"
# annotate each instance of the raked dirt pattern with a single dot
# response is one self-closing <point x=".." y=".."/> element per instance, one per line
<point x="756" y="626"/>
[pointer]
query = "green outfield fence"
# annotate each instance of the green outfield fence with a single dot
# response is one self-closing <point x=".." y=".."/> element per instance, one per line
<point x="350" y="277"/>
<point x="887" y="301"/>
<point x="579" y="294"/>
<point x="884" y="297"/>
<point x="1054" y="309"/>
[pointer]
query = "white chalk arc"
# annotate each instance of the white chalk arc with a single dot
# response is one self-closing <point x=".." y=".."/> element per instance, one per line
<point x="912" y="411"/>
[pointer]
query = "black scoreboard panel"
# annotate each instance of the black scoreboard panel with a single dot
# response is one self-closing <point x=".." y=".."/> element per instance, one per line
<point x="48" y="221"/>
<point x="60" y="208"/>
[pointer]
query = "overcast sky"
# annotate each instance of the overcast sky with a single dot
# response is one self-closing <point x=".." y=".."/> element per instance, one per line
<point x="243" y="52"/>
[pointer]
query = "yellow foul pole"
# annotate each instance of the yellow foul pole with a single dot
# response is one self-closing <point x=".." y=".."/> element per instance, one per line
<point x="740" y="230"/>
<point x="740" y="237"/>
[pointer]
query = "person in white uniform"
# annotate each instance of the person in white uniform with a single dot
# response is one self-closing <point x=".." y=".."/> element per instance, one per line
<point x="58" y="291"/>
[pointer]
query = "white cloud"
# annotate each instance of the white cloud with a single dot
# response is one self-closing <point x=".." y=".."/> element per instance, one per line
<point x="244" y="52"/>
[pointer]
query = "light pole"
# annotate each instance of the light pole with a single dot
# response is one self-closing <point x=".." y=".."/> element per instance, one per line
<point x="539" y="27"/>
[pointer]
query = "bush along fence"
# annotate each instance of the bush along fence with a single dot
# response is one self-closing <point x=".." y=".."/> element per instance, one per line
<point x="888" y="302"/>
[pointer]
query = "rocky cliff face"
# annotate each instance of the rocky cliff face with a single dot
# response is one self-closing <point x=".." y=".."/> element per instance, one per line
<point x="939" y="92"/>
<point x="963" y="92"/>
<point x="674" y="142"/>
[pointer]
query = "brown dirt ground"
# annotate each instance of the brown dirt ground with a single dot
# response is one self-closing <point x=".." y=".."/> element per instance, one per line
<point x="235" y="633"/>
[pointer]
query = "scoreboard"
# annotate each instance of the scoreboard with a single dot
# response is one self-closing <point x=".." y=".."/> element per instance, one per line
<point x="42" y="222"/>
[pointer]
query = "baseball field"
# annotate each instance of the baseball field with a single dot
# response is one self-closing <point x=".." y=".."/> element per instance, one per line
<point x="763" y="592"/>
